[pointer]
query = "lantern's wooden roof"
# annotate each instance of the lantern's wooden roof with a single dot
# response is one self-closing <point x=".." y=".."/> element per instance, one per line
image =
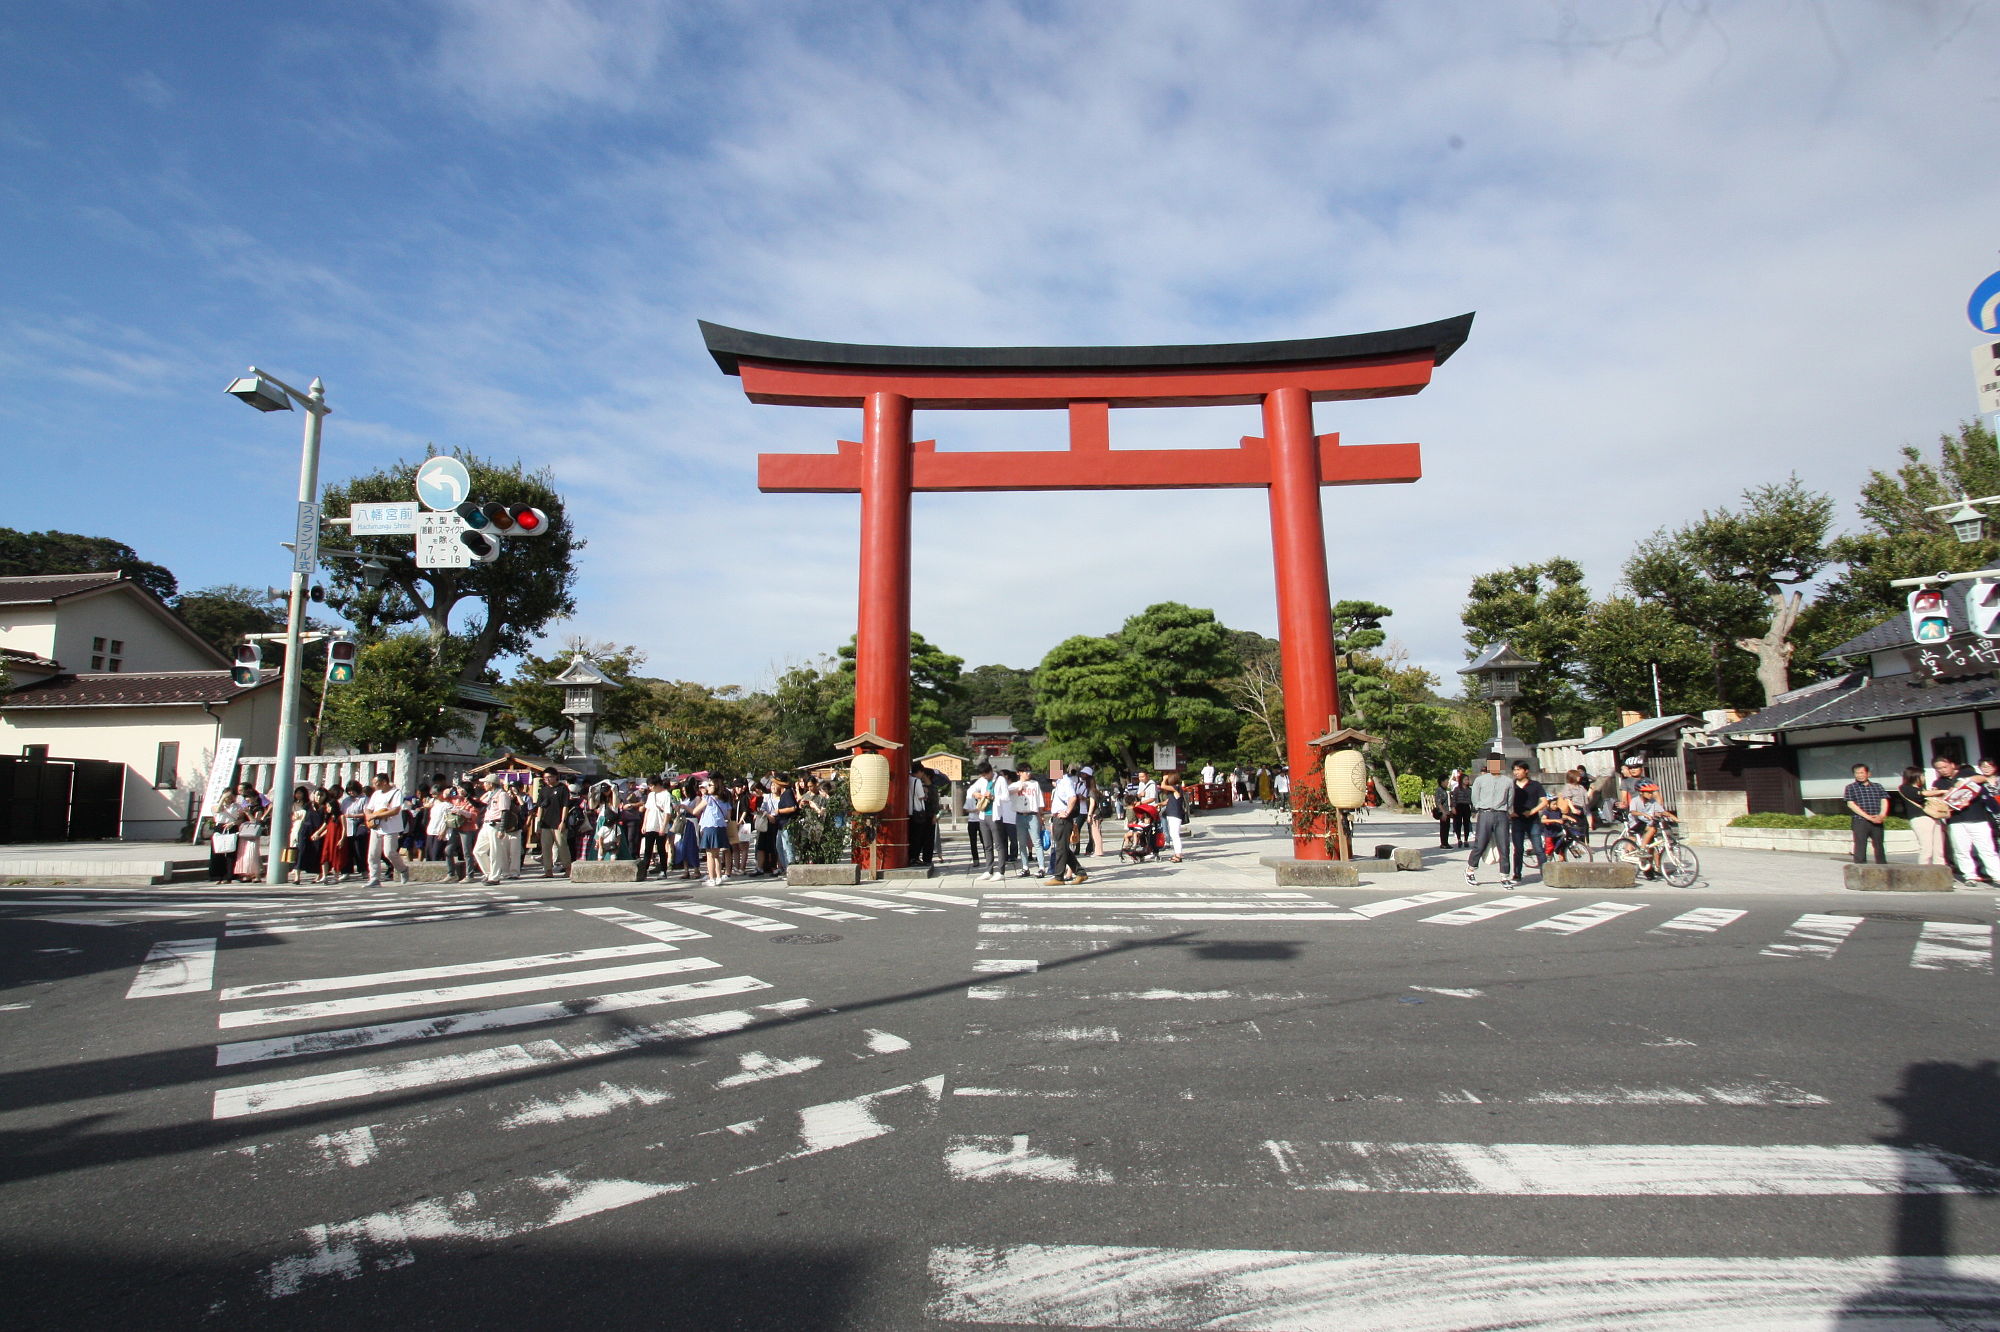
<point x="867" y="738"/>
<point x="1346" y="735"/>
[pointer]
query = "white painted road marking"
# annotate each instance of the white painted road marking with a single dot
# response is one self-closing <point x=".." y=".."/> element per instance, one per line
<point x="176" y="966"/>
<point x="440" y="973"/>
<point x="1526" y="1169"/>
<point x="1813" y="935"/>
<point x="803" y="909"/>
<point x="1569" y="922"/>
<point x="452" y="994"/>
<point x="1478" y="911"/>
<point x="1272" y="1290"/>
<point x="742" y="920"/>
<point x="666" y="931"/>
<point x="1946" y="946"/>
<point x="382" y="1242"/>
<point x="856" y="899"/>
<point x="1383" y="908"/>
<point x="491" y="1019"/>
<point x="913" y="893"/>
<point x="1701" y="920"/>
<point x="1006" y="964"/>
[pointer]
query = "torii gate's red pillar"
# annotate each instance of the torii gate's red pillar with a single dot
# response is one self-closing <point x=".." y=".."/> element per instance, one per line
<point x="882" y="632"/>
<point x="1305" y="618"/>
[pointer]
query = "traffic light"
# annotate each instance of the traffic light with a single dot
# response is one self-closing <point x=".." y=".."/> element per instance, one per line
<point x="1982" y="607"/>
<point x="528" y="521"/>
<point x="1930" y="619"/>
<point x="340" y="657"/>
<point x="474" y="514"/>
<point x="248" y="668"/>
<point x="485" y="546"/>
<point x="498" y="517"/>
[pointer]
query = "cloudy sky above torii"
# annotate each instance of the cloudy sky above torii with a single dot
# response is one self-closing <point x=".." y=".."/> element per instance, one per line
<point x="1708" y="245"/>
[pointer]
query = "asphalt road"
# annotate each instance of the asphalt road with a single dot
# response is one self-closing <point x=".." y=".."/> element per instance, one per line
<point x="1149" y="1104"/>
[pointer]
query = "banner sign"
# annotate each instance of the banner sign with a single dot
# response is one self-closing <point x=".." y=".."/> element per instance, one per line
<point x="221" y="774"/>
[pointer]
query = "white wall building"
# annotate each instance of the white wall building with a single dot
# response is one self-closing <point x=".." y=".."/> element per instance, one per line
<point x="99" y="668"/>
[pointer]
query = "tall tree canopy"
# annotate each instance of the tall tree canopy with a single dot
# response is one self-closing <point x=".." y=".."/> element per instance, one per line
<point x="1161" y="677"/>
<point x="401" y="691"/>
<point x="934" y="694"/>
<point x="1541" y="609"/>
<point x="530" y="586"/>
<point x="224" y="613"/>
<point x="533" y="708"/>
<point x="24" y="553"/>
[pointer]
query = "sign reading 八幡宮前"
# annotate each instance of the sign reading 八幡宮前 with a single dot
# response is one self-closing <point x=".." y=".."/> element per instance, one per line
<point x="383" y="519"/>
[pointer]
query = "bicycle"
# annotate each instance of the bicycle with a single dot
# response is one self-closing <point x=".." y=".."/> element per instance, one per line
<point x="1677" y="861"/>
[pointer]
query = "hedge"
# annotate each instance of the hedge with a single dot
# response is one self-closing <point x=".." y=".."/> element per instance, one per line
<point x="1818" y="822"/>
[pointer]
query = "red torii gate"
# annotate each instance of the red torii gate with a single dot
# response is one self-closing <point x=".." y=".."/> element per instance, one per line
<point x="887" y="465"/>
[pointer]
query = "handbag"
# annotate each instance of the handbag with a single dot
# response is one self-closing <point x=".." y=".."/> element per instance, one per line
<point x="1936" y="808"/>
<point x="222" y="843"/>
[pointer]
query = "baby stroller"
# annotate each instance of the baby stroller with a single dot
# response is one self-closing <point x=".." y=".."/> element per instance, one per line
<point x="1143" y="838"/>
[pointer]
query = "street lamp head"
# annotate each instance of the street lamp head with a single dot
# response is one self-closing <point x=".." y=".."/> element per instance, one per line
<point x="1966" y="523"/>
<point x="373" y="572"/>
<point x="260" y="392"/>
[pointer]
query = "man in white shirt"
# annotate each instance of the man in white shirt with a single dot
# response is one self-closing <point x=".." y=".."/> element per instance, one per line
<point x="492" y="850"/>
<point x="383" y="814"/>
<point x="1065" y="810"/>
<point x="923" y="832"/>
<point x="1026" y="797"/>
<point x="983" y="800"/>
<point x="1208" y="774"/>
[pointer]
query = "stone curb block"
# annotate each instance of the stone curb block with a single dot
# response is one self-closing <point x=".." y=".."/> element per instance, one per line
<point x="1898" y="878"/>
<point x="1384" y="850"/>
<point x="1589" y="874"/>
<point x="429" y="871"/>
<point x="1313" y="873"/>
<point x="908" y="872"/>
<point x="604" y="871"/>
<point x="1409" y="858"/>
<point x="822" y="876"/>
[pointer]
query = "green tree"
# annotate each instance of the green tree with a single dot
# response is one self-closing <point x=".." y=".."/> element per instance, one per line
<point x="1737" y="576"/>
<point x="223" y="614"/>
<point x="996" y="691"/>
<point x="1900" y="540"/>
<point x="1257" y="692"/>
<point x="1541" y="610"/>
<point x="689" y="727"/>
<point x="804" y="719"/>
<point x="25" y="553"/>
<point x="1621" y="642"/>
<point x="1163" y="676"/>
<point x="934" y="694"/>
<point x="520" y="594"/>
<point x="405" y="687"/>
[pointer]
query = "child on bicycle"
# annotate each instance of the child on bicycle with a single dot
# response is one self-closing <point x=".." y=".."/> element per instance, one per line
<point x="1644" y="817"/>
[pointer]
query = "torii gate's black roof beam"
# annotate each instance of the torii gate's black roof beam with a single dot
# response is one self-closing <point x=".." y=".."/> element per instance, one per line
<point x="729" y="345"/>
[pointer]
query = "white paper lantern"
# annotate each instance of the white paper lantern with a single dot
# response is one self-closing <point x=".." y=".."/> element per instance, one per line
<point x="868" y="783"/>
<point x="1346" y="779"/>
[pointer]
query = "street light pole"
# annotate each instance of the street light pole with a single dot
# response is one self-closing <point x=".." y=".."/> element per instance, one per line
<point x="256" y="390"/>
<point x="314" y="402"/>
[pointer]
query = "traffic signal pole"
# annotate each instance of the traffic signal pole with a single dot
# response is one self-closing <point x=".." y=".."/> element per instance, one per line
<point x="314" y="402"/>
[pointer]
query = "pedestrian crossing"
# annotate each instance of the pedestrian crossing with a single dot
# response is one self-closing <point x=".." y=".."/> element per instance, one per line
<point x="1079" y="921"/>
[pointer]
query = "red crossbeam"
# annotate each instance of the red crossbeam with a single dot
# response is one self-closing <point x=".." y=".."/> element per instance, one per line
<point x="1091" y="469"/>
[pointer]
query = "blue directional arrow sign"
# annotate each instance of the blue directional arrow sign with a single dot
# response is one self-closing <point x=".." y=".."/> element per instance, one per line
<point x="443" y="483"/>
<point x="1984" y="307"/>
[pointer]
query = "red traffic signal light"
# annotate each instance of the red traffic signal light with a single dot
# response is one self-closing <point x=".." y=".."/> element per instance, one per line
<point x="248" y="667"/>
<point x="528" y="520"/>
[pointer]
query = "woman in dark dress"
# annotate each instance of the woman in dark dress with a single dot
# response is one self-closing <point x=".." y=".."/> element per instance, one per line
<point x="307" y="825"/>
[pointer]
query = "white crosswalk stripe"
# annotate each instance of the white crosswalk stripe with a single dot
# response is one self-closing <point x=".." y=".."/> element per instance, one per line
<point x="529" y="963"/>
<point x="1951" y="946"/>
<point x="175" y="966"/>
<point x="1814" y="935"/>
<point x="742" y="920"/>
<point x="666" y="931"/>
<point x="1701" y="920"/>
<point x="1583" y="918"/>
<point x="858" y="899"/>
<point x="803" y="908"/>
<point x="1479" y="911"/>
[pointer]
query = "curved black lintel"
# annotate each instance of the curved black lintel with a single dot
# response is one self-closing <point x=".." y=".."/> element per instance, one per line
<point x="729" y="345"/>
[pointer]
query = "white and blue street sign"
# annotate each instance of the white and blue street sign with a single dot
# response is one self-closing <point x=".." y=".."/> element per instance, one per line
<point x="1984" y="307"/>
<point x="443" y="483"/>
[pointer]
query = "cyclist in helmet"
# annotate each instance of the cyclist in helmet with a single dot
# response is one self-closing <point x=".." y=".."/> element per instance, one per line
<point x="1645" y="816"/>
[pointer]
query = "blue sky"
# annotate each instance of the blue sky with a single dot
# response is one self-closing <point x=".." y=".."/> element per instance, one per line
<point x="1709" y="244"/>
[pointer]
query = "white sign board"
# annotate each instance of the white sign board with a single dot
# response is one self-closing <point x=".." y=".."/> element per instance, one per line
<point x="305" y="545"/>
<point x="1166" y="757"/>
<point x="1986" y="374"/>
<point x="383" y="519"/>
<point x="438" y="546"/>
<point x="443" y="483"/>
<point x="220" y="774"/>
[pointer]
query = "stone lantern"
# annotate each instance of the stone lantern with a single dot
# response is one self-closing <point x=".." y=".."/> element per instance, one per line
<point x="584" y="687"/>
<point x="1345" y="775"/>
<point x="1497" y="672"/>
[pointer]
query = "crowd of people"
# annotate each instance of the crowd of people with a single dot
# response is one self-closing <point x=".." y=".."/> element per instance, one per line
<point x="1519" y="817"/>
<point x="698" y="825"/>
<point x="1952" y="808"/>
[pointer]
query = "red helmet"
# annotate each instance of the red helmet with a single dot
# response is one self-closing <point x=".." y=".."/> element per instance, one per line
<point x="1648" y="788"/>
